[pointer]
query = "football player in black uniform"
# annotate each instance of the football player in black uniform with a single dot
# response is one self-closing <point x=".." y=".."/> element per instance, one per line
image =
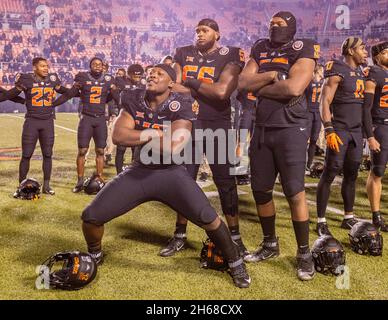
<point x="341" y="110"/>
<point x="39" y="89"/>
<point x="313" y="95"/>
<point x="135" y="74"/>
<point x="148" y="117"/>
<point x="376" y="127"/>
<point x="94" y="88"/>
<point x="210" y="73"/>
<point x="279" y="71"/>
<point x="12" y="95"/>
<point x="246" y="121"/>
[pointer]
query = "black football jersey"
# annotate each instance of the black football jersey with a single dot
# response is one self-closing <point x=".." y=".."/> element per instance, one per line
<point x="123" y="84"/>
<point x="347" y="103"/>
<point x="313" y="95"/>
<point x="380" y="103"/>
<point x="208" y="68"/>
<point x="176" y="107"/>
<point x="247" y="100"/>
<point x="275" y="113"/>
<point x="39" y="94"/>
<point x="94" y="92"/>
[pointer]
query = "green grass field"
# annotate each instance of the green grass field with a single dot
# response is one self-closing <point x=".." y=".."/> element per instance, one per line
<point x="30" y="231"/>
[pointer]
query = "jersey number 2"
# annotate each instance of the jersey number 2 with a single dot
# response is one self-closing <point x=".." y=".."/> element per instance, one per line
<point x="95" y="95"/>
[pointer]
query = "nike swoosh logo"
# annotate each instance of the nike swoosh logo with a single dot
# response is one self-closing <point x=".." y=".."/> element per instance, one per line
<point x="302" y="129"/>
<point x="288" y="18"/>
<point x="210" y="61"/>
<point x="281" y="54"/>
<point x="160" y="118"/>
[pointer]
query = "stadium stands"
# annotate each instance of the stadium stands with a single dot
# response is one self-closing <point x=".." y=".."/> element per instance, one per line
<point x="127" y="31"/>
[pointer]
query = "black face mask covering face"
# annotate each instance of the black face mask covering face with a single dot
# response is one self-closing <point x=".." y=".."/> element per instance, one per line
<point x="280" y="36"/>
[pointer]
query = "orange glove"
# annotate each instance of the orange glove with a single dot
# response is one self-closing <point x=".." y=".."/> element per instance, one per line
<point x="333" y="141"/>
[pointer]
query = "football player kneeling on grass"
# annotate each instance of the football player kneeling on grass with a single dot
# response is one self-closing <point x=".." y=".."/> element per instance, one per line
<point x="142" y="123"/>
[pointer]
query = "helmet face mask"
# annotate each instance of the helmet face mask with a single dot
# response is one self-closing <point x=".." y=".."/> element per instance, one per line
<point x="78" y="270"/>
<point x="29" y="189"/>
<point x="366" y="239"/>
<point x="329" y="256"/>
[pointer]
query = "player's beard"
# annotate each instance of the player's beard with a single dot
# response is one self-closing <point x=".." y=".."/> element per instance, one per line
<point x="205" y="47"/>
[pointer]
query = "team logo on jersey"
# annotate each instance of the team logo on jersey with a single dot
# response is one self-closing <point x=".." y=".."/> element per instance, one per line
<point x="297" y="45"/>
<point x="174" y="106"/>
<point x="224" y="51"/>
<point x="317" y="51"/>
<point x="189" y="59"/>
<point x="53" y="78"/>
<point x="35" y="84"/>
<point x="195" y="107"/>
<point x="139" y="114"/>
<point x="108" y="78"/>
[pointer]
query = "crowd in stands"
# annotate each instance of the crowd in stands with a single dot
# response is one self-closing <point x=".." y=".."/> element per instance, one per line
<point x="132" y="31"/>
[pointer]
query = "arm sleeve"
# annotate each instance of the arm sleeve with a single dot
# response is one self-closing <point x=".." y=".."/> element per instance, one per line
<point x="367" y="116"/>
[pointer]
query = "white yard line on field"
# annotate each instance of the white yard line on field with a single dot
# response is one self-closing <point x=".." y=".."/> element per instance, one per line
<point x="56" y="125"/>
<point x="212" y="194"/>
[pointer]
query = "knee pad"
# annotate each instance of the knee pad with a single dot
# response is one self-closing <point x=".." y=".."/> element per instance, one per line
<point x="88" y="217"/>
<point x="262" y="197"/>
<point x="227" y="190"/>
<point x="26" y="158"/>
<point x="378" y="171"/>
<point x="351" y="170"/>
<point x="82" y="152"/>
<point x="206" y="216"/>
<point x="99" y="152"/>
<point x="47" y="153"/>
<point x="292" y="188"/>
<point x="330" y="171"/>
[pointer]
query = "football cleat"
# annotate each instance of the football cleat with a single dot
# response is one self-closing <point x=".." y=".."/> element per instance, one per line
<point x="16" y="194"/>
<point x="98" y="257"/>
<point x="174" y="245"/>
<point x="348" y="223"/>
<point x="48" y="190"/>
<point x="379" y="223"/>
<point x="108" y="158"/>
<point x="78" y="188"/>
<point x="266" y="251"/>
<point x="243" y="180"/>
<point x="239" y="274"/>
<point x="323" y="229"/>
<point x="203" y="176"/>
<point x="305" y="266"/>
<point x="241" y="247"/>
